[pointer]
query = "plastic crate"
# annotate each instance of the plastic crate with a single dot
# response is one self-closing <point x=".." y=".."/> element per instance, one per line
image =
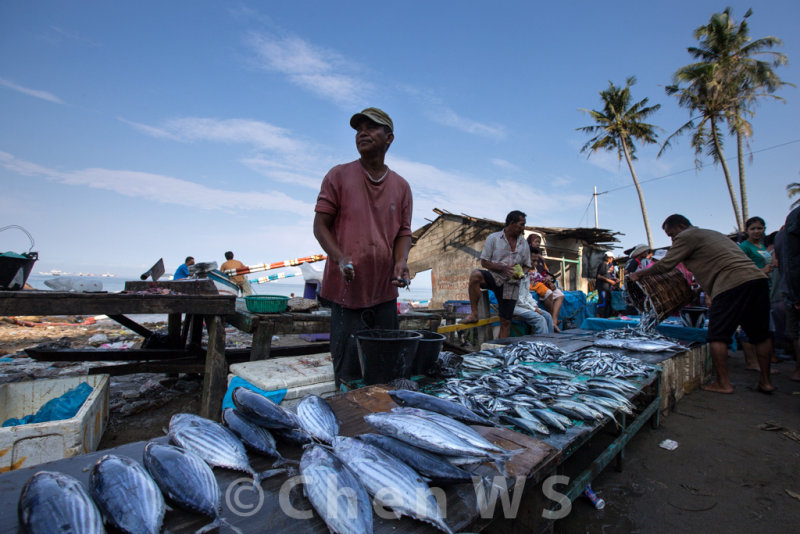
<point x="36" y="443"/>
<point x="266" y="303"/>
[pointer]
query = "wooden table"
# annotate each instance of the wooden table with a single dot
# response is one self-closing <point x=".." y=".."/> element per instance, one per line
<point x="210" y="309"/>
<point x="265" y="325"/>
<point x="534" y="463"/>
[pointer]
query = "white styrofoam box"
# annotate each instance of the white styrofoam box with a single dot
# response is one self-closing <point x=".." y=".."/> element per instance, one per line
<point x="35" y="443"/>
<point x="298" y="375"/>
<point x="324" y="389"/>
<point x="286" y="373"/>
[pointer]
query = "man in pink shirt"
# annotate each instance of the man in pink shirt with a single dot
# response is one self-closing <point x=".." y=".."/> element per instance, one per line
<point x="363" y="222"/>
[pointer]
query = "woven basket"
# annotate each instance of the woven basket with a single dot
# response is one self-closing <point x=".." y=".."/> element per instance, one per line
<point x="668" y="292"/>
<point x="266" y="303"/>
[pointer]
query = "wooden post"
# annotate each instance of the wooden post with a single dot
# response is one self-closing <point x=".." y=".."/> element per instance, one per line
<point x="215" y="379"/>
<point x="262" y="340"/>
<point x="174" y="330"/>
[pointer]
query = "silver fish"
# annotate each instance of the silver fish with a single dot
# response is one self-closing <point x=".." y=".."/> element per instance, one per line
<point x="253" y="436"/>
<point x="335" y="492"/>
<point x="262" y="410"/>
<point x="433" y="437"/>
<point x="459" y="429"/>
<point x="55" y="502"/>
<point x="126" y="495"/>
<point x="554" y="420"/>
<point x="536" y="421"/>
<point x="214" y="443"/>
<point x="317" y="418"/>
<point x="528" y="425"/>
<point x="186" y="481"/>
<point x="394" y="483"/>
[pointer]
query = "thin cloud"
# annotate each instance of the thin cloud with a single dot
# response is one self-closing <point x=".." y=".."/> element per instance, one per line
<point x="433" y="187"/>
<point x="504" y="164"/>
<point x="259" y="134"/>
<point x="285" y="172"/>
<point x="36" y="93"/>
<point x="162" y="189"/>
<point x="448" y="117"/>
<point x="323" y="72"/>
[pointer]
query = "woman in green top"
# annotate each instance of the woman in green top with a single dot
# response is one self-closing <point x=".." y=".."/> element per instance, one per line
<point x="754" y="247"/>
<point x="756" y="251"/>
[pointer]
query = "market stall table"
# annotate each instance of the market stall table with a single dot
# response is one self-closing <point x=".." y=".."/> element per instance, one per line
<point x="265" y="325"/>
<point x="210" y="309"/>
<point x="269" y="515"/>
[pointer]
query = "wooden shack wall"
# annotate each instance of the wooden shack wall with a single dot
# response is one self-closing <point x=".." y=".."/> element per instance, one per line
<point x="451" y="250"/>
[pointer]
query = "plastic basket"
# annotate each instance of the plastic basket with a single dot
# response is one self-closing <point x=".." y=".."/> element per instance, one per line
<point x="266" y="303"/>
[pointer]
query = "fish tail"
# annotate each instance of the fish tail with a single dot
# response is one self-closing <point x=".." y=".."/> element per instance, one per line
<point x="230" y="526"/>
<point x="209" y="527"/>
<point x="260" y="477"/>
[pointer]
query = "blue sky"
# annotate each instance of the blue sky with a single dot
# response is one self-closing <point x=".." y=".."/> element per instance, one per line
<point x="136" y="130"/>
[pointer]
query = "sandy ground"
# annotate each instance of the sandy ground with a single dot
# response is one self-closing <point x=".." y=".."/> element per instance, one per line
<point x="728" y="474"/>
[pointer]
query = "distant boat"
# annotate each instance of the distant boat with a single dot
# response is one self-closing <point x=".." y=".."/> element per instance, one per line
<point x="54" y="272"/>
<point x="108" y="275"/>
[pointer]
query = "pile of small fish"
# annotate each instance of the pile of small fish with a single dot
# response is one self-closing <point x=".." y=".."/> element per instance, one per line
<point x="531" y="397"/>
<point x="631" y="338"/>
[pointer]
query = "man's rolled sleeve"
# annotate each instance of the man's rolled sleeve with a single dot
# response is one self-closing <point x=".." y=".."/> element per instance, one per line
<point x="328" y="198"/>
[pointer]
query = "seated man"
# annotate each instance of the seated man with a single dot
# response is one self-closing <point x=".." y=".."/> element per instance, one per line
<point x="540" y="321"/>
<point x="505" y="260"/>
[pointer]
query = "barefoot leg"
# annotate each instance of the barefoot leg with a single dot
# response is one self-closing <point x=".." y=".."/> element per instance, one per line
<point x="719" y="357"/>
<point x="764" y="353"/>
<point x="750" y="358"/>
<point x="475" y="283"/>
<point x="556" y="309"/>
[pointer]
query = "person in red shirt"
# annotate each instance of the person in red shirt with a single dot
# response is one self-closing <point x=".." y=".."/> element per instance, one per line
<point x="363" y="222"/>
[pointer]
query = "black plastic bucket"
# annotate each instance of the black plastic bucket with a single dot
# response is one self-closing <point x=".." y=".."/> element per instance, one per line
<point x="386" y="354"/>
<point x="429" y="348"/>
<point x="15" y="269"/>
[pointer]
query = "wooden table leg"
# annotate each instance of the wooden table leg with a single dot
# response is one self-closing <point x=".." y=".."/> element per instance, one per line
<point x="262" y="340"/>
<point x="174" y="330"/>
<point x="215" y="379"/>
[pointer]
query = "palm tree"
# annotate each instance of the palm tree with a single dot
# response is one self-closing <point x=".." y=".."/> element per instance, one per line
<point x="700" y="88"/>
<point x="793" y="189"/>
<point x="616" y="128"/>
<point x="728" y="45"/>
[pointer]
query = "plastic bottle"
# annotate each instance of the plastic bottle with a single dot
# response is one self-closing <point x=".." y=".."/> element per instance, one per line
<point x="596" y="501"/>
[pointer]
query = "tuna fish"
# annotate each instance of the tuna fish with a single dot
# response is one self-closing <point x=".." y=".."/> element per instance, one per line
<point x="186" y="481"/>
<point x="262" y="411"/>
<point x="126" y="495"/>
<point x="317" y="418"/>
<point x="214" y="443"/>
<point x="528" y="425"/>
<point x="295" y="436"/>
<point x="335" y="492"/>
<point x="433" y="437"/>
<point x="254" y="437"/>
<point x="459" y="429"/>
<point x="404" y="397"/>
<point x="55" y="502"/>
<point x="432" y="466"/>
<point x="392" y="482"/>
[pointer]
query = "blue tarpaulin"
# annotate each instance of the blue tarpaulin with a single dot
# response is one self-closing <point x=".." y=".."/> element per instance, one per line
<point x="227" y="401"/>
<point x="64" y="407"/>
